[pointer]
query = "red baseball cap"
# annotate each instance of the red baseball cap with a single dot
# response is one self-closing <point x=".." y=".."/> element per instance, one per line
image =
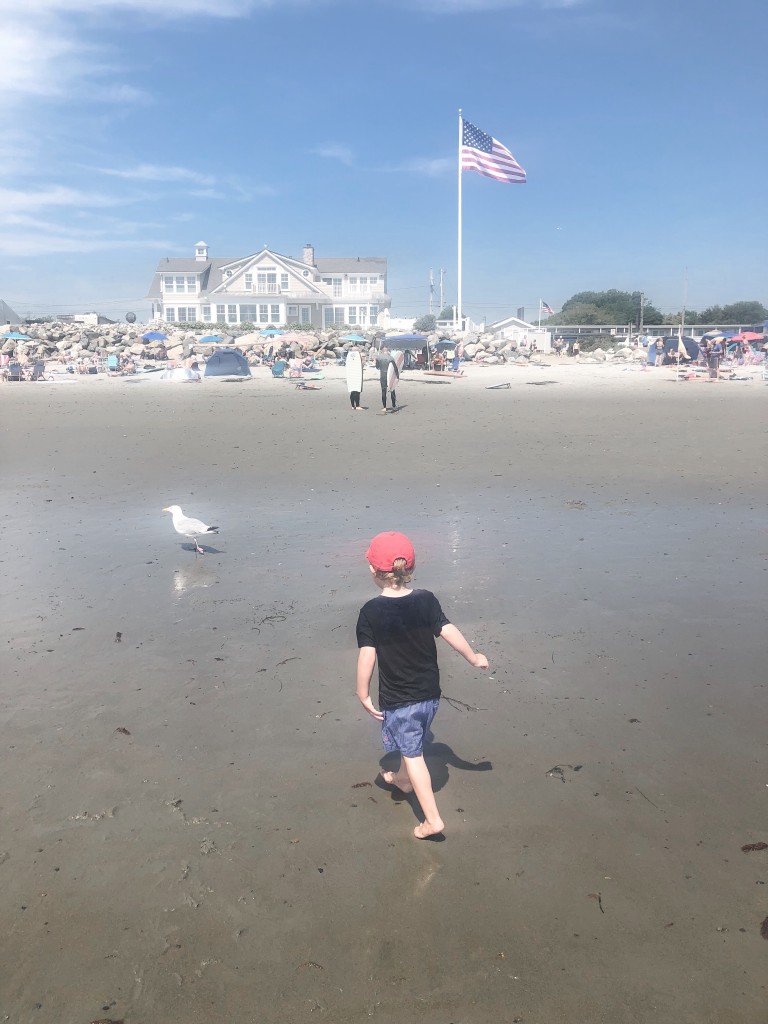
<point x="385" y="548"/>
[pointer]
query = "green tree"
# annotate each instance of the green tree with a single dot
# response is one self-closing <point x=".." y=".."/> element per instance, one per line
<point x="446" y="313"/>
<point x="609" y="307"/>
<point x="745" y="312"/>
<point x="425" y="323"/>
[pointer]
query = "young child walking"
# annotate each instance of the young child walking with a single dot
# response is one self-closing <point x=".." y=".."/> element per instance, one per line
<point x="399" y="628"/>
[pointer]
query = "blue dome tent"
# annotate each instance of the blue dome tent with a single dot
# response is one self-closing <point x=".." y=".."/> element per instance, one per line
<point x="227" y="362"/>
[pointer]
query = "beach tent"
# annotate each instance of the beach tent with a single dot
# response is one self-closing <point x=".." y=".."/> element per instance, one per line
<point x="405" y="339"/>
<point x="691" y="346"/>
<point x="227" y="362"/>
<point x="180" y="375"/>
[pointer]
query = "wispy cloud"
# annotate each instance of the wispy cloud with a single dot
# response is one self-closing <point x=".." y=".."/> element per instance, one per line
<point x="47" y="244"/>
<point x="335" y="151"/>
<point x="15" y="201"/>
<point x="429" y="168"/>
<point x="156" y="172"/>
<point x="449" y="7"/>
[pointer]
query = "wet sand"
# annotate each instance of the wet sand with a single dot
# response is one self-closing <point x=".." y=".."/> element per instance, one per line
<point x="185" y="834"/>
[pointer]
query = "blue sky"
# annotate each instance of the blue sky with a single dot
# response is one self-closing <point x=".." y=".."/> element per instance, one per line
<point x="134" y="128"/>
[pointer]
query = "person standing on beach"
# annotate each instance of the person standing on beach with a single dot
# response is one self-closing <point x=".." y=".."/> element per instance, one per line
<point x="354" y="396"/>
<point x="398" y="628"/>
<point x="383" y="362"/>
<point x="714" y="355"/>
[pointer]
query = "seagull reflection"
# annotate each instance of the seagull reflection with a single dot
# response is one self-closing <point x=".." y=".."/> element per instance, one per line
<point x="197" y="574"/>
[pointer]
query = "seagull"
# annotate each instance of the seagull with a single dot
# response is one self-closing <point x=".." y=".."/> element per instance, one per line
<point x="187" y="527"/>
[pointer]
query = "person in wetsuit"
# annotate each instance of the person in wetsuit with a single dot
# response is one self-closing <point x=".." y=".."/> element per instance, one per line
<point x="383" y="360"/>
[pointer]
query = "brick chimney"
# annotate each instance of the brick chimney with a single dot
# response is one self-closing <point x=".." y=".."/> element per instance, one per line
<point x="309" y="255"/>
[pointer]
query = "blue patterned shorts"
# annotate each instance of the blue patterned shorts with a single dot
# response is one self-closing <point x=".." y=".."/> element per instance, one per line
<point x="404" y="728"/>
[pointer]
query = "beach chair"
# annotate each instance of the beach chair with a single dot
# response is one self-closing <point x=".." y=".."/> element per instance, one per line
<point x="38" y="371"/>
<point x="113" y="364"/>
<point x="279" y="367"/>
<point x="15" y="371"/>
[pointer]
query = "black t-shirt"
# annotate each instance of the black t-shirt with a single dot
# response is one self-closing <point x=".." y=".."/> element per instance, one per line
<point x="403" y="631"/>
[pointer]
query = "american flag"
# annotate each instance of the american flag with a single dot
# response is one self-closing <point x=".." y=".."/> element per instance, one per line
<point x="546" y="308"/>
<point x="481" y="153"/>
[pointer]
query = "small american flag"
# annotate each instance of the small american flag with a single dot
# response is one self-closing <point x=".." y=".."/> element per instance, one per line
<point x="546" y="308"/>
<point x="481" y="153"/>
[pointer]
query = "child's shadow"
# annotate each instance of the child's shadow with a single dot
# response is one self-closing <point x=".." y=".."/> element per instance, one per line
<point x="439" y="757"/>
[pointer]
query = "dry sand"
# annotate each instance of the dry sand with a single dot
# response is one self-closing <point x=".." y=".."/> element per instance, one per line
<point x="192" y="831"/>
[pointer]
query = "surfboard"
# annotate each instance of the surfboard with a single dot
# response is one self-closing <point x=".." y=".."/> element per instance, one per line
<point x="354" y="371"/>
<point x="392" y="377"/>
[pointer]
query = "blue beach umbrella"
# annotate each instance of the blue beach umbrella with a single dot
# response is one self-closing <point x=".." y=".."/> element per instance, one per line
<point x="15" y="336"/>
<point x="271" y="330"/>
<point x="353" y="337"/>
<point x="212" y="337"/>
<point x="154" y="336"/>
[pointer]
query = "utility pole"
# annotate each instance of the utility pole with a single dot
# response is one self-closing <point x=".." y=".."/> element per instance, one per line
<point x="431" y="290"/>
<point x="640" y="319"/>
<point x="442" y="300"/>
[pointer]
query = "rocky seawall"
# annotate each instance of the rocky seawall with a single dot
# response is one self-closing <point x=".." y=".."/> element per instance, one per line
<point x="68" y="342"/>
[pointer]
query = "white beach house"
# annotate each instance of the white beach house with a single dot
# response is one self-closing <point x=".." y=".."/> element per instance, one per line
<point x="268" y="289"/>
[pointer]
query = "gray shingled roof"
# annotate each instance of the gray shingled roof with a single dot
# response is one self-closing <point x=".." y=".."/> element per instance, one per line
<point x="351" y="264"/>
<point x="210" y="270"/>
<point x="8" y="315"/>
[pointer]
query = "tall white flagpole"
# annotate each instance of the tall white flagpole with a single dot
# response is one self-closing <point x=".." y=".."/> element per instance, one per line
<point x="457" y="312"/>
<point x="539" y="323"/>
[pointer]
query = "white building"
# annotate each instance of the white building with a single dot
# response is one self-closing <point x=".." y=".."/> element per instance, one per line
<point x="268" y="289"/>
<point x="511" y="328"/>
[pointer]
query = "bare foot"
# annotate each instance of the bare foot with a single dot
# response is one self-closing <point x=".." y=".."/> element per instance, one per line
<point x="399" y="783"/>
<point x="426" y="829"/>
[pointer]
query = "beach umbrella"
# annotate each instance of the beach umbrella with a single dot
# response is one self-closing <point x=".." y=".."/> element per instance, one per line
<point x="353" y="337"/>
<point x="271" y="331"/>
<point x="748" y="336"/>
<point x="154" y="336"/>
<point x="213" y="338"/>
<point x="15" y="336"/>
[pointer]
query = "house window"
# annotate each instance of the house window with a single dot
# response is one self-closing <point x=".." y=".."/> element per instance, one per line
<point x="274" y="314"/>
<point x="180" y="284"/>
<point x="206" y="314"/>
<point x="373" y="312"/>
<point x="220" y="310"/>
<point x="231" y="314"/>
<point x="363" y="311"/>
<point x="352" y="287"/>
<point x="249" y="282"/>
<point x="267" y="283"/>
<point x="247" y="314"/>
<point x="283" y="282"/>
<point x="338" y="315"/>
<point x="328" y="316"/>
<point x="264" y="314"/>
<point x="363" y="284"/>
<point x="192" y="284"/>
<point x="187" y="314"/>
<point x="337" y="283"/>
<point x="352" y="315"/>
<point x="170" y="315"/>
<point x="305" y="315"/>
<point x="293" y="311"/>
<point x="167" y="282"/>
<point x="373" y="281"/>
<point x="328" y="281"/>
